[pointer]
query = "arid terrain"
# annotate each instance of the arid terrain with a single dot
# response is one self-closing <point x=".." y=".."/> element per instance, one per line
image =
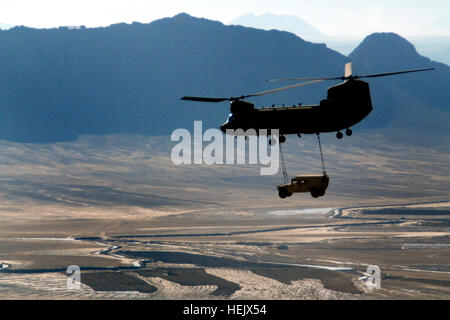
<point x="140" y="227"/>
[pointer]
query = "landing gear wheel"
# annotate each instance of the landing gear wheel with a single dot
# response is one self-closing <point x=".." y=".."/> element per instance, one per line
<point x="299" y="135"/>
<point x="339" y="135"/>
<point x="272" y="141"/>
<point x="282" y="139"/>
<point x="348" y="132"/>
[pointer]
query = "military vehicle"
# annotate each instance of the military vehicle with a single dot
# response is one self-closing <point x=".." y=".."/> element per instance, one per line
<point x="315" y="184"/>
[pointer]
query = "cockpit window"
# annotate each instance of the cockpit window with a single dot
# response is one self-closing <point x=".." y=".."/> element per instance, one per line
<point x="230" y="118"/>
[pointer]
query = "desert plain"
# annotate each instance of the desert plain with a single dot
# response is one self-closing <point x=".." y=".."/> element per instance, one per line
<point x="140" y="227"/>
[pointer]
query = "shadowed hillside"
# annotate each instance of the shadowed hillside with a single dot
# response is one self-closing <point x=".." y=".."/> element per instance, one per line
<point x="58" y="83"/>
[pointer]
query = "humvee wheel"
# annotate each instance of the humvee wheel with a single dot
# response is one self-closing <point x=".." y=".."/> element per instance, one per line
<point x="315" y="192"/>
<point x="283" y="193"/>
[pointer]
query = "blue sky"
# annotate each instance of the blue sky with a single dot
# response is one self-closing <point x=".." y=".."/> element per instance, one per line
<point x="332" y="17"/>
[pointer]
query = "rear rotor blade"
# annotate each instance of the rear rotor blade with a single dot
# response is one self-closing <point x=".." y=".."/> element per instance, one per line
<point x="391" y="73"/>
<point x="204" y="99"/>
<point x="348" y="70"/>
<point x="348" y="75"/>
<point x="305" y="79"/>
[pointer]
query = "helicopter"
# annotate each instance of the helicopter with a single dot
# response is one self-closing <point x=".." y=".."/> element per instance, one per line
<point x="347" y="104"/>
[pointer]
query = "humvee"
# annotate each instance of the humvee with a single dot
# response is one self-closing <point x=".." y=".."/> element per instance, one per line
<point x="314" y="184"/>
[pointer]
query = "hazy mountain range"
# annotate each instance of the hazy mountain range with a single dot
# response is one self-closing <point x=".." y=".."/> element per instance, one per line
<point x="56" y="84"/>
<point x="436" y="48"/>
<point x="270" y="21"/>
<point x="298" y="26"/>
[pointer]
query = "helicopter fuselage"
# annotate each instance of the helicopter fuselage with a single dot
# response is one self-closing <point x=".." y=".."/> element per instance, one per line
<point x="346" y="104"/>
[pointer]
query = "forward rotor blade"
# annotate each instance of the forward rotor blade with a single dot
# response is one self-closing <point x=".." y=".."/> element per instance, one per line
<point x="204" y="99"/>
<point x="392" y="73"/>
<point x="283" y="88"/>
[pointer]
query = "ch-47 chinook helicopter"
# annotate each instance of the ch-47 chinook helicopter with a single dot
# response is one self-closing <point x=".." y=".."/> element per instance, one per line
<point x="346" y="104"/>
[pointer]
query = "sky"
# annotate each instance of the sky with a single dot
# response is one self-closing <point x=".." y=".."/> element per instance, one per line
<point x="346" y="18"/>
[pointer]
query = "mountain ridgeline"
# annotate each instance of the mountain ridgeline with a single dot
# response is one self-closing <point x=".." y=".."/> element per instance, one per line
<point x="270" y="21"/>
<point x="56" y="84"/>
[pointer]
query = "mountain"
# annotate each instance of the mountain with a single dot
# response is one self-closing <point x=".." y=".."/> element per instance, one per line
<point x="59" y="83"/>
<point x="434" y="47"/>
<point x="270" y="21"/>
<point x="418" y="101"/>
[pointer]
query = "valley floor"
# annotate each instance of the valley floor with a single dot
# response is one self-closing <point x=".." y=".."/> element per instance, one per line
<point x="140" y="227"/>
<point x="283" y="254"/>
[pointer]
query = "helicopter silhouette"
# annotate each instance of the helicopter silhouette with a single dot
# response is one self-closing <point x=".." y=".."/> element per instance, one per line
<point x="347" y="104"/>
